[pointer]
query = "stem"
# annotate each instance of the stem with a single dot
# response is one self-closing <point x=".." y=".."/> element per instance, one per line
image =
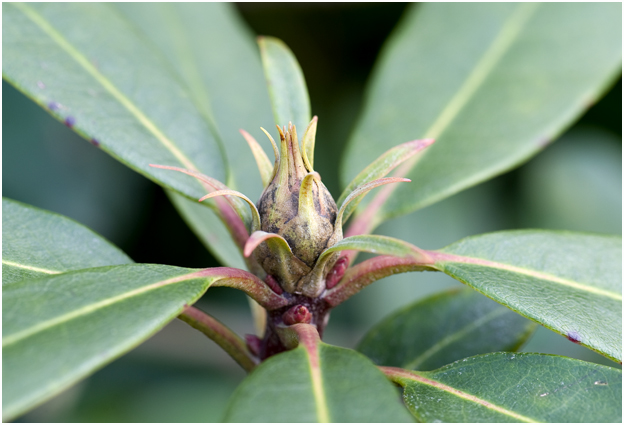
<point x="220" y="334"/>
<point x="358" y="277"/>
<point x="248" y="283"/>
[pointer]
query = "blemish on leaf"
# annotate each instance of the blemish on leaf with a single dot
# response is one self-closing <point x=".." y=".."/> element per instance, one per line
<point x="95" y="142"/>
<point x="70" y="121"/>
<point x="40" y="85"/>
<point x="53" y="106"/>
<point x="574" y="337"/>
<point x="544" y="142"/>
<point x="600" y="383"/>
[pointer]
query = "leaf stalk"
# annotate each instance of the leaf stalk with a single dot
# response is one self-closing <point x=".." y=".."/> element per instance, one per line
<point x="223" y="336"/>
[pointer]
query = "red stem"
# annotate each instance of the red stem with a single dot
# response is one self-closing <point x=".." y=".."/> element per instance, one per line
<point x="367" y="272"/>
<point x="246" y="282"/>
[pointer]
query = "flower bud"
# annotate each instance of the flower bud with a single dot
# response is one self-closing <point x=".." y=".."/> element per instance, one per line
<point x="296" y="205"/>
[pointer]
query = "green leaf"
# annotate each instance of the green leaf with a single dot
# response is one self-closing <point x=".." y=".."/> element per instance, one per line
<point x="58" y="329"/>
<point x="569" y="282"/>
<point x="492" y="83"/>
<point x="215" y="54"/>
<point x="440" y="329"/>
<point x="287" y="87"/>
<point x="320" y="384"/>
<point x="209" y="228"/>
<point x="507" y="387"/>
<point x="121" y="95"/>
<point x="37" y="243"/>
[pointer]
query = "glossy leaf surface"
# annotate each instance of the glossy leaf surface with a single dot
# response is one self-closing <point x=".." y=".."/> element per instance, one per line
<point x="508" y="387"/>
<point x="492" y="83"/>
<point x="448" y="326"/>
<point x="120" y="95"/>
<point x="37" y="243"/>
<point x="58" y="329"/>
<point x="287" y="87"/>
<point x="569" y="282"/>
<point x="341" y="386"/>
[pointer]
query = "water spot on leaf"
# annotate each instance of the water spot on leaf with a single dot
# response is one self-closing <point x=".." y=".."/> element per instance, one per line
<point x="40" y="85"/>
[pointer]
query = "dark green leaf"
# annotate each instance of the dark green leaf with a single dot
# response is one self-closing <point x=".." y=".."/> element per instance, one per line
<point x="438" y="330"/>
<point x="119" y="94"/>
<point x="37" y="243"/>
<point x="507" y="387"/>
<point x="58" y="329"/>
<point x="341" y="386"/>
<point x="569" y="282"/>
<point x="491" y="82"/>
<point x="216" y="56"/>
<point x="287" y="88"/>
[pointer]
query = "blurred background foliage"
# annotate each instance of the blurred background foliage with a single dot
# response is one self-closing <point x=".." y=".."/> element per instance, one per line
<point x="179" y="375"/>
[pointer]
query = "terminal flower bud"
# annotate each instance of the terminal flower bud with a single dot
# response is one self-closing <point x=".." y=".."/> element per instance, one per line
<point x="297" y="206"/>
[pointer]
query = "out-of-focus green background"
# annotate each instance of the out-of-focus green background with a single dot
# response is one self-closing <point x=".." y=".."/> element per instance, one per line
<point x="181" y="376"/>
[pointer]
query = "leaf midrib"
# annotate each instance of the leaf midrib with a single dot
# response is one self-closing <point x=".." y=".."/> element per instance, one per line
<point x="314" y="362"/>
<point x="90" y="308"/>
<point x="31" y="268"/>
<point x="499" y="46"/>
<point x="505" y="38"/>
<point x="455" y="336"/>
<point x="65" y="45"/>
<point x="414" y="376"/>
<point x="441" y="258"/>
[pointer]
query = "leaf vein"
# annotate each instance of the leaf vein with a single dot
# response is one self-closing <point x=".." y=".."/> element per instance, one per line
<point x="64" y="44"/>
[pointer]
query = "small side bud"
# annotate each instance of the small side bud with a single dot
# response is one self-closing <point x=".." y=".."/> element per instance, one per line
<point x="336" y="273"/>
<point x="297" y="314"/>
<point x="254" y="344"/>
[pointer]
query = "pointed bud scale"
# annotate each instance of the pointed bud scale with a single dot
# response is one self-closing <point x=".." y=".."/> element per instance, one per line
<point x="297" y="206"/>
